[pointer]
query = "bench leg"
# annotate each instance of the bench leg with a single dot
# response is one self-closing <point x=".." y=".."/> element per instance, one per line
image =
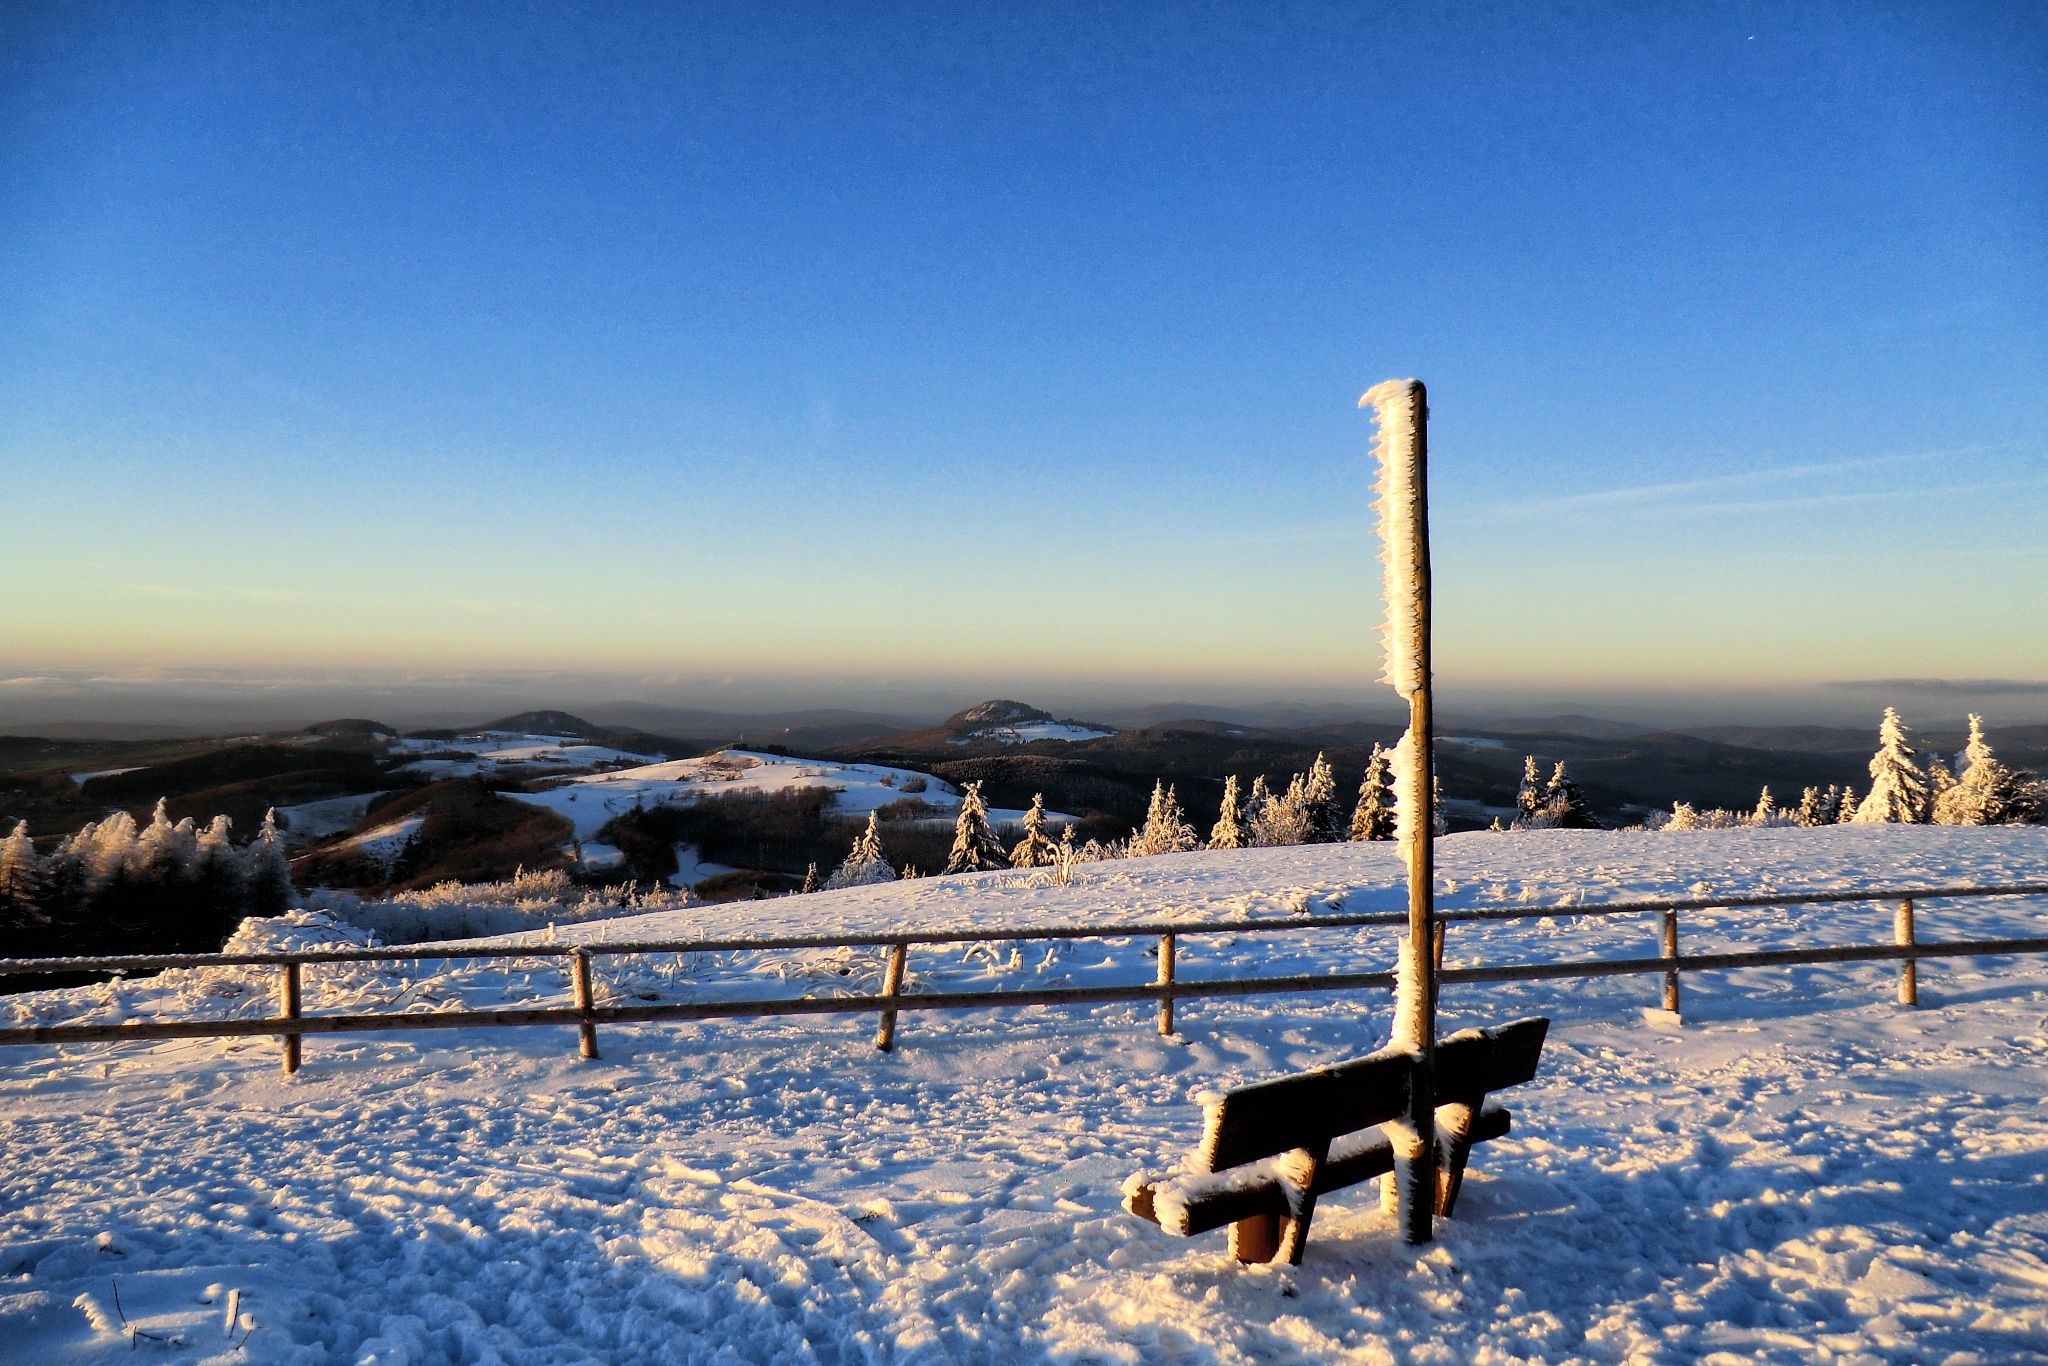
<point x="1454" y="1147"/>
<point x="1256" y="1239"/>
<point x="1298" y="1173"/>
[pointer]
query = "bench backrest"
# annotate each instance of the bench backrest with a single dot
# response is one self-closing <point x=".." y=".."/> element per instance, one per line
<point x="1272" y="1117"/>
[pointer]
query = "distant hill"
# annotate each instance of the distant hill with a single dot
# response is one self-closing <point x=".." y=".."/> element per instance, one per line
<point x="568" y="726"/>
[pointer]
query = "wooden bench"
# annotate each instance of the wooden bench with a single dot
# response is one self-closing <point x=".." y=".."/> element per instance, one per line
<point x="1270" y="1149"/>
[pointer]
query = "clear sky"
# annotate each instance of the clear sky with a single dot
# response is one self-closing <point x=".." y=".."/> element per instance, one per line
<point x="1021" y="342"/>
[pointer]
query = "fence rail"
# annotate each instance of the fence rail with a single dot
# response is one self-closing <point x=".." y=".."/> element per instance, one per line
<point x="291" y="1024"/>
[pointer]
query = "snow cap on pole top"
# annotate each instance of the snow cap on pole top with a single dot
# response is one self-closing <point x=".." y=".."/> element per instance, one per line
<point x="1399" y="407"/>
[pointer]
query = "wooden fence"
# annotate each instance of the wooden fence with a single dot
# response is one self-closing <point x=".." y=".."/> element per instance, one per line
<point x="292" y="1024"/>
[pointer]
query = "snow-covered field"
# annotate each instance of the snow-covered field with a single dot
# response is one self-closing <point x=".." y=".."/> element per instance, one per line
<point x="1802" y="1172"/>
<point x="507" y="753"/>
<point x="1028" y="732"/>
<point x="589" y="802"/>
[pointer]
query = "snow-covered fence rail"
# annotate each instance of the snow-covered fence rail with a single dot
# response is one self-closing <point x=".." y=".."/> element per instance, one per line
<point x="291" y="1024"/>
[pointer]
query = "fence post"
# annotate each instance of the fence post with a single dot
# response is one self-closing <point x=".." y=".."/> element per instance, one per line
<point x="1436" y="946"/>
<point x="892" y="987"/>
<point x="1909" y="968"/>
<point x="579" y="976"/>
<point x="288" y="1008"/>
<point x="1166" y="949"/>
<point x="1671" y="954"/>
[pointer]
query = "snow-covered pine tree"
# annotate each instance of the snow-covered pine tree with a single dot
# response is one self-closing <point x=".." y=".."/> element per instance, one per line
<point x="107" y="853"/>
<point x="267" y="871"/>
<point x="1255" y="808"/>
<point x="864" y="864"/>
<point x="21" y="879"/>
<point x="1532" y="796"/>
<point x="165" y="853"/>
<point x="1036" y="848"/>
<point x="217" y="868"/>
<point x="810" y="880"/>
<point x="1766" y="812"/>
<point x="1846" y="808"/>
<point x="1373" y="819"/>
<point x="1811" y="808"/>
<point x="1939" y="780"/>
<point x="975" y="846"/>
<point x="1320" y="824"/>
<point x="1683" y="817"/>
<point x="1564" y="806"/>
<point x="1988" y="792"/>
<point x="1283" y="819"/>
<point x="1228" y="832"/>
<point x="1898" y="785"/>
<point x="1166" y="830"/>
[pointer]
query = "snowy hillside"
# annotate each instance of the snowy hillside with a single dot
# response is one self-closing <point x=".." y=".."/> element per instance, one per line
<point x="588" y="802"/>
<point x="502" y="753"/>
<point x="1802" y="1171"/>
<point x="1029" y="732"/>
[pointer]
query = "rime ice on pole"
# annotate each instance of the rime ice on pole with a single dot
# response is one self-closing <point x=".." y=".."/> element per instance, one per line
<point x="1397" y="407"/>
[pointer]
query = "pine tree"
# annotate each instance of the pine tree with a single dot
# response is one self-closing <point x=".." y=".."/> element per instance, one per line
<point x="1898" y="786"/>
<point x="165" y="853"/>
<point x="1532" y="796"/>
<point x="1810" y="808"/>
<point x="1228" y="832"/>
<point x="1846" y="809"/>
<point x="21" y="879"/>
<point x="217" y="868"/>
<point x="1035" y="849"/>
<point x="1283" y="819"/>
<point x="267" y="871"/>
<point x="864" y="864"/>
<point x="1373" y="818"/>
<point x="1766" y="812"/>
<point x="1564" y="806"/>
<point x="1683" y="817"/>
<point x="810" y="880"/>
<point x="1319" y="805"/>
<point x="107" y="852"/>
<point x="1988" y="792"/>
<point x="975" y="846"/>
<point x="1255" y="808"/>
<point x="1166" y="830"/>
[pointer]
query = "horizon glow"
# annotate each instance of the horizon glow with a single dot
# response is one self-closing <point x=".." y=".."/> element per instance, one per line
<point x="914" y="345"/>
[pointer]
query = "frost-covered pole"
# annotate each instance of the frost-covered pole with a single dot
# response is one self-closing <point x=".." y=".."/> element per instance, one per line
<point x="1402" y="410"/>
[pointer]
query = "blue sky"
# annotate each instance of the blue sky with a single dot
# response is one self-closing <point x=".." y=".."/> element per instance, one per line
<point x="1020" y="344"/>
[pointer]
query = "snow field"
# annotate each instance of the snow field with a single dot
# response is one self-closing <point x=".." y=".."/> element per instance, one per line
<point x="1800" y="1172"/>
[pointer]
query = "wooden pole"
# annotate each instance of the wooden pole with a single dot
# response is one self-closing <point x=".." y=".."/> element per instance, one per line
<point x="892" y="987"/>
<point x="1166" y="951"/>
<point x="1419" y="1187"/>
<point x="1909" y="971"/>
<point x="579" y="976"/>
<point x="288" y="1008"/>
<point x="1671" y="955"/>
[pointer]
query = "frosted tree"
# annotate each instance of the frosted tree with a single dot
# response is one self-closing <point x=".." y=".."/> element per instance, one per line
<point x="1811" y="808"/>
<point x="975" y="846"/>
<point x="1228" y="832"/>
<point x="810" y="880"/>
<point x="1166" y="830"/>
<point x="107" y="852"/>
<point x="267" y="870"/>
<point x="165" y="853"/>
<point x="864" y="865"/>
<point x="1564" y="806"/>
<point x="1283" y="819"/>
<point x="1766" y="812"/>
<point x="1683" y="817"/>
<point x="216" y="866"/>
<point x="1846" y="809"/>
<point x="1320" y="824"/>
<point x="1939" y="780"/>
<point x="1532" y="796"/>
<point x="1255" y="807"/>
<point x="1988" y="792"/>
<point x="1373" y="818"/>
<point x="1898" y="785"/>
<point x="1035" y="850"/>
<point x="21" y="878"/>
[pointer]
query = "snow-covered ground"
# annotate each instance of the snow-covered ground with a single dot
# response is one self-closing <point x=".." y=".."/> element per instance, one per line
<point x="329" y="816"/>
<point x="589" y="802"/>
<point x="386" y="843"/>
<point x="1802" y="1172"/>
<point x="1027" y="732"/>
<point x="507" y="753"/>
